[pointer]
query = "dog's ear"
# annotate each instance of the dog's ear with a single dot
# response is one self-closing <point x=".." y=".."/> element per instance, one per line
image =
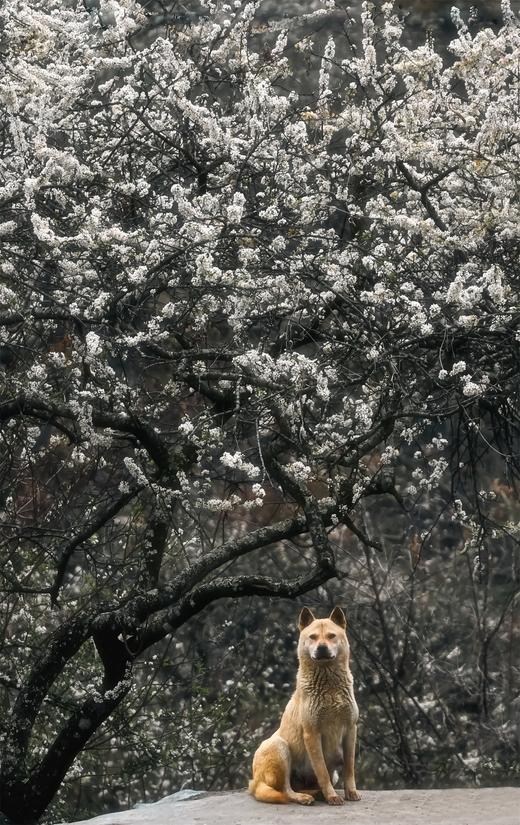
<point x="338" y="617"/>
<point x="306" y="617"/>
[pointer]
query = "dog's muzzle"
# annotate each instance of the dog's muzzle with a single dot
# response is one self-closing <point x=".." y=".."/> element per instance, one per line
<point x="323" y="652"/>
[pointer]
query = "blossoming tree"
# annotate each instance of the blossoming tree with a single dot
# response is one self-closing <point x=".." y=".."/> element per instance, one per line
<point x="231" y="302"/>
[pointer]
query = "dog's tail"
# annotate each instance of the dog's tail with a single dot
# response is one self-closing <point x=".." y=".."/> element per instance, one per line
<point x="264" y="793"/>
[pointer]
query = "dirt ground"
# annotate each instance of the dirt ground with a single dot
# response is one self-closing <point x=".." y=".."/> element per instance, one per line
<point x="483" y="806"/>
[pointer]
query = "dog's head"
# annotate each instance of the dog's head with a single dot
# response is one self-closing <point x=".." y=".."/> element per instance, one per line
<point x="323" y="640"/>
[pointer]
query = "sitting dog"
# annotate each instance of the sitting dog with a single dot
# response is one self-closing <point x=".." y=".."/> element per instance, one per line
<point x="317" y="734"/>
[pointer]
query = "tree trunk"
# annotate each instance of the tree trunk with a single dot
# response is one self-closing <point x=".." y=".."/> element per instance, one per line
<point x="24" y="801"/>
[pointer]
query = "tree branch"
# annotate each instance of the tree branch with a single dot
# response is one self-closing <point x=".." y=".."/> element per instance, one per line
<point x="146" y="435"/>
<point x="100" y="519"/>
<point x="234" y="587"/>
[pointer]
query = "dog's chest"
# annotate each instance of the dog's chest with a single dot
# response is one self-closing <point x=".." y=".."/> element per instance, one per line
<point x="328" y="697"/>
<point x="333" y="707"/>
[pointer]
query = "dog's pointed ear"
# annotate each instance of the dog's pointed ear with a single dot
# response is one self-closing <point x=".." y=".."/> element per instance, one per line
<point x="306" y="617"/>
<point x="338" y="617"/>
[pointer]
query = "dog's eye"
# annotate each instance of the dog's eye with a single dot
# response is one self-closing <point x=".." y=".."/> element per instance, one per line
<point x="331" y="635"/>
<point x="313" y="637"/>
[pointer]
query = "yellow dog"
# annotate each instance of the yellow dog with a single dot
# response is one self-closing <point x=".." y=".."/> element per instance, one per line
<point x="317" y="734"/>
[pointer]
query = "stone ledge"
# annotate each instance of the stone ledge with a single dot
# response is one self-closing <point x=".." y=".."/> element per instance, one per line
<point x="460" y="806"/>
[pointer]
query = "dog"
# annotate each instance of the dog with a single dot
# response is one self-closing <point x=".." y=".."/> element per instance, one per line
<point x="317" y="733"/>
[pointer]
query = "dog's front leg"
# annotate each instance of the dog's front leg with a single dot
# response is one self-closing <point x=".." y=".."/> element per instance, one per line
<point x="349" y="755"/>
<point x="312" y="739"/>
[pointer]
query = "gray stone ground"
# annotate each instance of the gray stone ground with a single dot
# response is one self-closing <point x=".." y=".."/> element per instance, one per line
<point x="484" y="806"/>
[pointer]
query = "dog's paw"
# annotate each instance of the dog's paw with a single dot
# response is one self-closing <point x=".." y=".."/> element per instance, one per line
<point x="335" y="800"/>
<point x="353" y="796"/>
<point x="304" y="799"/>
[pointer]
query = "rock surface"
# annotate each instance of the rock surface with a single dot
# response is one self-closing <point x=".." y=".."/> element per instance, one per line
<point x="482" y="806"/>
